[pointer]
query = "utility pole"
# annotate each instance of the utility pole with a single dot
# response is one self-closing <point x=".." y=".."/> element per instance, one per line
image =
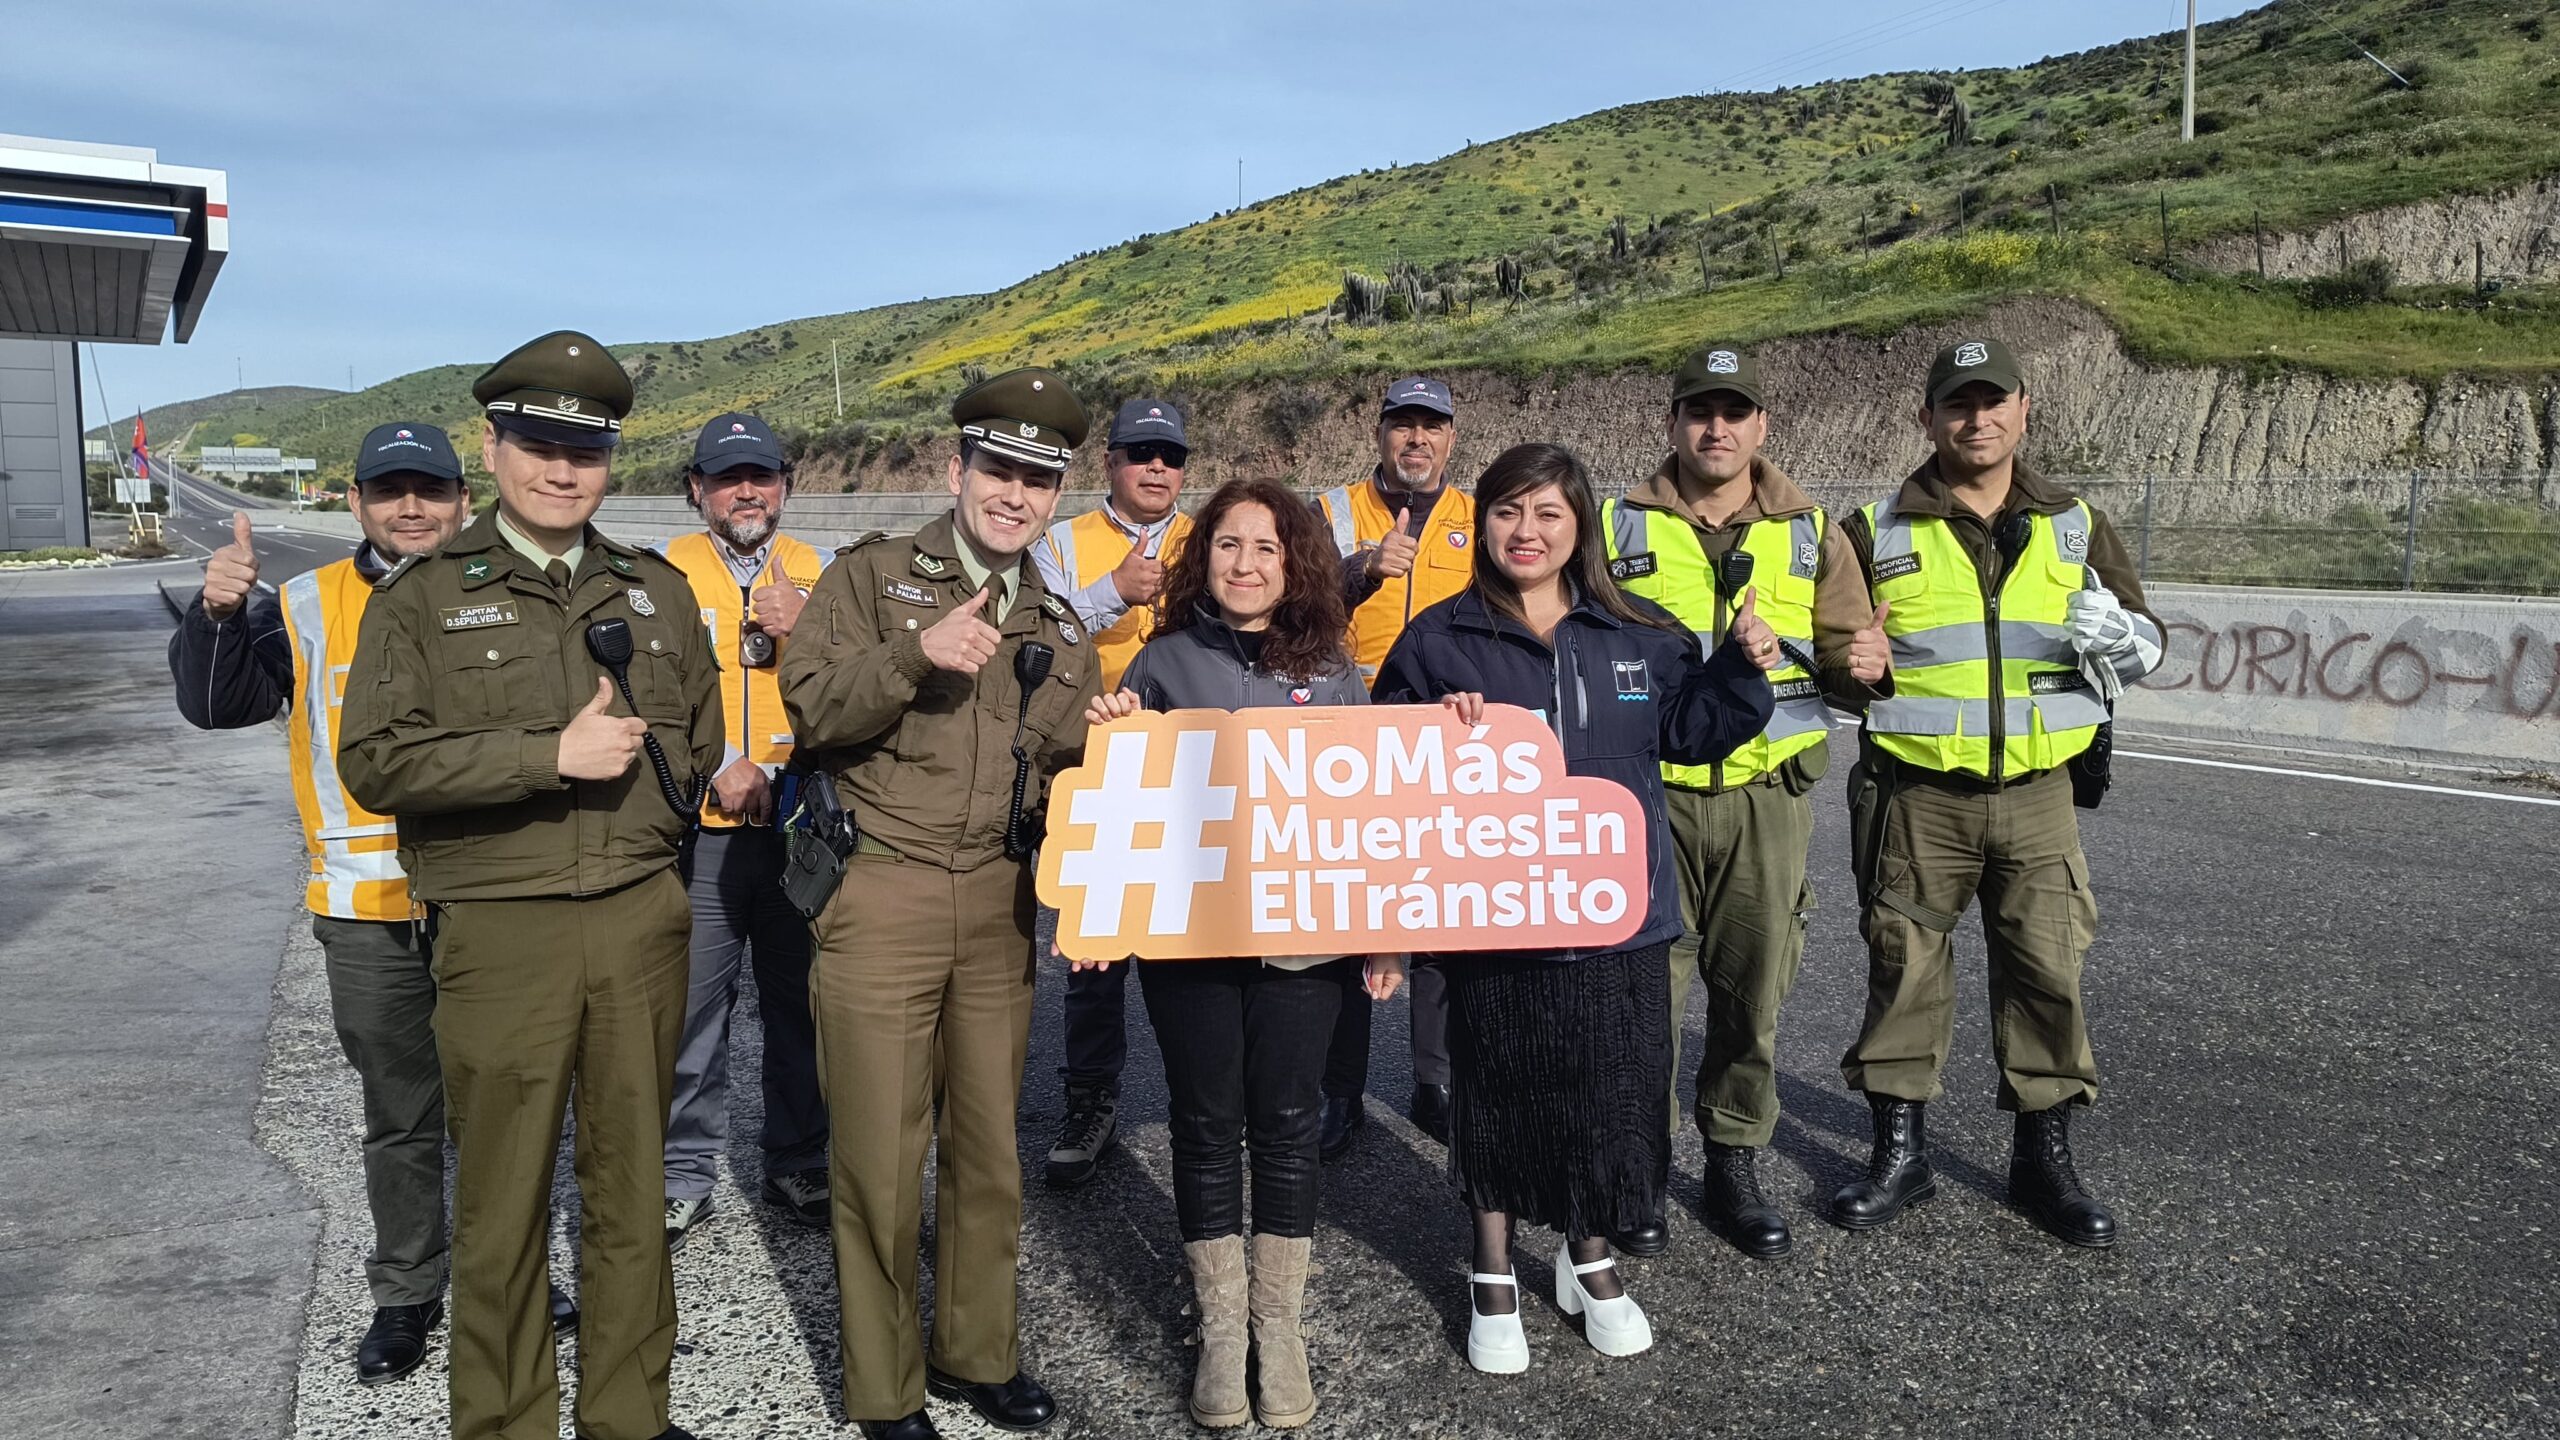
<point x="2187" y="126"/>
<point x="1239" y="182"/>
<point x="835" y="353"/>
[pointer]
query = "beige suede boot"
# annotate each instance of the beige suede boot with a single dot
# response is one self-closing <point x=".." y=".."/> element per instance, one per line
<point x="1287" y="1398"/>
<point x="1218" y="1282"/>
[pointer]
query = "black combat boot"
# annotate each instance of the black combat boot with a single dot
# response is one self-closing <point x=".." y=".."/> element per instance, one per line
<point x="1898" y="1173"/>
<point x="2043" y="1183"/>
<point x="1737" y="1210"/>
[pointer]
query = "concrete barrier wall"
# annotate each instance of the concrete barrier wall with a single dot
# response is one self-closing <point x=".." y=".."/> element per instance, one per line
<point x="825" y="521"/>
<point x="2447" y="679"/>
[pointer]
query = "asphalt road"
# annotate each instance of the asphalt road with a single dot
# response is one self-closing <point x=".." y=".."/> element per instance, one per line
<point x="203" y="525"/>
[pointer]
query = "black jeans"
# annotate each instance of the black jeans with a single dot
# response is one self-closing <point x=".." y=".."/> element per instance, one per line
<point x="1244" y="1046"/>
<point x="1346" y="1066"/>
<point x="1097" y="1027"/>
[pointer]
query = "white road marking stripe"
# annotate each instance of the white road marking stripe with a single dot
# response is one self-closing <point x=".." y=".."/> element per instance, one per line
<point x="2342" y="779"/>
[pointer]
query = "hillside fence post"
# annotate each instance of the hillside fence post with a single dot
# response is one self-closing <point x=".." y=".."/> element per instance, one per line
<point x="2409" y="546"/>
<point x="1960" y="224"/>
<point x="2053" y="202"/>
<point x="2258" y="229"/>
<point x="2479" y="269"/>
<point x="2165" y="256"/>
<point x="2142" y="559"/>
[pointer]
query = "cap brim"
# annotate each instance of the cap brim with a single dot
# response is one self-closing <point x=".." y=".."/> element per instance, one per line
<point x="725" y="461"/>
<point x="406" y="467"/>
<point x="1148" y="437"/>
<point x="552" y="432"/>
<point x="1434" y="406"/>
<point x="1724" y="384"/>
<point x="2005" y="384"/>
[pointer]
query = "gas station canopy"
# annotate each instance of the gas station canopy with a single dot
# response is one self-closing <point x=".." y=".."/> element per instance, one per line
<point x="104" y="243"/>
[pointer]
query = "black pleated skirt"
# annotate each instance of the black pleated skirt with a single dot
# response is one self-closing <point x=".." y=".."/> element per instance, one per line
<point x="1562" y="1075"/>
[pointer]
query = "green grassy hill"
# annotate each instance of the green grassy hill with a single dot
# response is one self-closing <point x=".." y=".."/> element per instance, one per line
<point x="1638" y="231"/>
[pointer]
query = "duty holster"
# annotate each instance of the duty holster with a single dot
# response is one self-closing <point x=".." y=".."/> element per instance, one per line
<point x="1872" y="788"/>
<point x="2093" y="769"/>
<point x="818" y="835"/>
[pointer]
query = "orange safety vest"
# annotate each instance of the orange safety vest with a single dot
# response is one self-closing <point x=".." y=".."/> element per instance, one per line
<point x="1091" y="546"/>
<point x="355" y="854"/>
<point x="750" y="697"/>
<point x="1360" y="519"/>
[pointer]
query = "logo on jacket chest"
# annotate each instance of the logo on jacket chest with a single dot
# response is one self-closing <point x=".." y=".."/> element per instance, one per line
<point x="1301" y="694"/>
<point x="641" y="604"/>
<point x="1633" y="567"/>
<point x="1897" y="567"/>
<point x="1635" y="680"/>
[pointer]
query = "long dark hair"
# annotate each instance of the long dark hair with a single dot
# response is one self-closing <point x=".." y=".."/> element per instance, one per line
<point x="1522" y="470"/>
<point x="1305" y="641"/>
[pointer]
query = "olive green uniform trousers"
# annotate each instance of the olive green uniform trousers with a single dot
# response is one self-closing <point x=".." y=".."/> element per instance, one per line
<point x="535" y="997"/>
<point x="1943" y="844"/>
<point x="1744" y="899"/>
<point x="921" y="992"/>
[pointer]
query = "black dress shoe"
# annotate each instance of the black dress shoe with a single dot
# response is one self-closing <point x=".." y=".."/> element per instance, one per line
<point x="564" y="1311"/>
<point x="1015" y="1404"/>
<point x="1737" y="1210"/>
<point x="918" y="1426"/>
<point x="1430" y="1111"/>
<point x="1644" y="1241"/>
<point x="1898" y="1173"/>
<point x="2044" y="1183"/>
<point x="1344" y="1117"/>
<point x="396" y="1341"/>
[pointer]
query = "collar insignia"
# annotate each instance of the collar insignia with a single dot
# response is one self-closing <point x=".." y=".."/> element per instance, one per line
<point x="927" y="565"/>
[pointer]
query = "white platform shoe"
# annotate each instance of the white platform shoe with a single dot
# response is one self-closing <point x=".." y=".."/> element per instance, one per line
<point x="1496" y="1344"/>
<point x="1614" y="1327"/>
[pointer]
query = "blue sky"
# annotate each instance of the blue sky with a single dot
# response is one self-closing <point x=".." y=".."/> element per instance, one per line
<point x="413" y="184"/>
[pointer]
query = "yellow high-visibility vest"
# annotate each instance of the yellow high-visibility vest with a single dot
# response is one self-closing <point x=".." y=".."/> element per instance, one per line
<point x="750" y="697"/>
<point x="1091" y="546"/>
<point x="1360" y="519"/>
<point x="1659" y="555"/>
<point x="1994" y="688"/>
<point x="355" y="854"/>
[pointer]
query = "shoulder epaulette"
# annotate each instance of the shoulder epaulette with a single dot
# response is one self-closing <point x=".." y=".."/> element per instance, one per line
<point x="407" y="563"/>
<point x="876" y="535"/>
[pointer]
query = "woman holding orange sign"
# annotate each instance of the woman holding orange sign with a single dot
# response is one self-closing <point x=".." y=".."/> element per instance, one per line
<point x="1251" y="615"/>
<point x="1562" y="1060"/>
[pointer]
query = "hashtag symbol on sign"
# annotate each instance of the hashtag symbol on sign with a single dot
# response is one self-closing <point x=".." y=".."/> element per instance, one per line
<point x="1123" y="802"/>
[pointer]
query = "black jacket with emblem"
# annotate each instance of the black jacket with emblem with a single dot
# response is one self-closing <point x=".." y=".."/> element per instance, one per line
<point x="1624" y="698"/>
<point x="923" y="758"/>
<point x="1203" y="666"/>
<point x="467" y="669"/>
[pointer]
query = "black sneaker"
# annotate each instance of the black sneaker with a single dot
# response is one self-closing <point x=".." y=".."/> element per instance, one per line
<point x="682" y="1216"/>
<point x="802" y="1195"/>
<point x="1092" y="1123"/>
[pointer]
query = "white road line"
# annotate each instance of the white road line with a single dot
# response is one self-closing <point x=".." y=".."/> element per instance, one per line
<point x="2343" y="779"/>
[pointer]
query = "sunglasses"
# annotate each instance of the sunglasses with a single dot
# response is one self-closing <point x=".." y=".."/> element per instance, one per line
<point x="1148" y="452"/>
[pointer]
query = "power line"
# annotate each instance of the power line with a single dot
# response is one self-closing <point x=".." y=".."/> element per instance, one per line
<point x="1860" y="42"/>
<point x="2359" y="49"/>
<point x="1780" y="62"/>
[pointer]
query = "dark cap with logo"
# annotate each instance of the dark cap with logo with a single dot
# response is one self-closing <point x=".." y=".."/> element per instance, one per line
<point x="736" y="439"/>
<point x="562" y="388"/>
<point x="1419" y="392"/>
<point x="1139" y="421"/>
<point x="1029" y="415"/>
<point x="406" y="446"/>
<point x="1719" y="367"/>
<point x="1969" y="362"/>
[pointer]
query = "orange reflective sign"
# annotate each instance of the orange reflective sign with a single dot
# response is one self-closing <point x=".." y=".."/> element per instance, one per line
<point x="1337" y="831"/>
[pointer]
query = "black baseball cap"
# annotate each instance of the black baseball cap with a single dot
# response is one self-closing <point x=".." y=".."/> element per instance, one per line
<point x="1719" y="367"/>
<point x="736" y="439"/>
<point x="1418" y="392"/>
<point x="406" y="445"/>
<point x="1141" y="420"/>
<point x="1968" y="362"/>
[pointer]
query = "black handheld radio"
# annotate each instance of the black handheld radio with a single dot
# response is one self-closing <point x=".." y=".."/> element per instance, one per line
<point x="610" y="642"/>
<point x="1030" y="667"/>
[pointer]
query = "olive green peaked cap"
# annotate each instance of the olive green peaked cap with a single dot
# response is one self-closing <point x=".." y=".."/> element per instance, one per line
<point x="562" y="387"/>
<point x="1967" y="362"/>
<point x="1029" y="415"/>
<point x="1719" y="367"/>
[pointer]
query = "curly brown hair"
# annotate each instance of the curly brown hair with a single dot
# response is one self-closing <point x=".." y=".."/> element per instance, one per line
<point x="1305" y="641"/>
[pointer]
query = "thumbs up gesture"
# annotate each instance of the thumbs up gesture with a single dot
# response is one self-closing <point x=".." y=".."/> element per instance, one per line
<point x="1753" y="633"/>
<point x="232" y="572"/>
<point x="960" y="641"/>
<point x="599" y="745"/>
<point x="1870" y="653"/>
<point x="1396" y="553"/>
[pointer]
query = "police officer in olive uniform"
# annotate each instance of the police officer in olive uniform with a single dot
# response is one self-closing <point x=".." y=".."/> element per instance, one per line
<point x="936" y="677"/>
<point x="2013" y="616"/>
<point x="540" y="802"/>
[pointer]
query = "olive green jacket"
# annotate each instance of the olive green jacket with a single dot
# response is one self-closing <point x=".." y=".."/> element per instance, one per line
<point x="923" y="758"/>
<point x="467" y="669"/>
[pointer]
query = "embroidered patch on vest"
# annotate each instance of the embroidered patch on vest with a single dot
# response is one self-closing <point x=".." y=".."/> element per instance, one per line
<point x="912" y="594"/>
<point x="473" y="617"/>
<point x="1634" y="567"/>
<point x="1897" y="567"/>
<point x="1457" y="539"/>
<point x="2056" y="682"/>
<point x="1808" y="560"/>
<point x="1795" y="690"/>
<point x="2075" y="544"/>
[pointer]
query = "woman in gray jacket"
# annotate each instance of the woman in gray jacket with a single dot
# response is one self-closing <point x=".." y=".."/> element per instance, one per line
<point x="1251" y="615"/>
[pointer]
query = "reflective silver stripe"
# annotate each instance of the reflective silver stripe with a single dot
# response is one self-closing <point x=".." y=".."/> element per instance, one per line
<point x="1346" y="535"/>
<point x="1369" y="672"/>
<point x="1707" y="642"/>
<point x="1627" y="529"/>
<point x="1892" y="533"/>
<point x="1966" y="641"/>
<point x="306" y="623"/>
<point x="1905" y="715"/>
<point x="1062" y="549"/>
<point x="1791" y="718"/>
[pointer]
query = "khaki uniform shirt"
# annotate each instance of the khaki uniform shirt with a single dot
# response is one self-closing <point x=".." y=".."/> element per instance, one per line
<point x="923" y="758"/>
<point x="467" y="669"/>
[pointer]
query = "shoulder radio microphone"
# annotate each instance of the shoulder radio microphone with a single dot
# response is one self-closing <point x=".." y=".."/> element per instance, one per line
<point x="609" y="641"/>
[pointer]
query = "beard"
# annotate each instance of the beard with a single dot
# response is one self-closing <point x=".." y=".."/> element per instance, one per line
<point x="744" y="532"/>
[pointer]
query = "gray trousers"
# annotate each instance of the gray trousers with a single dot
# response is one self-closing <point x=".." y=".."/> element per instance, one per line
<point x="734" y="879"/>
<point x="382" y="996"/>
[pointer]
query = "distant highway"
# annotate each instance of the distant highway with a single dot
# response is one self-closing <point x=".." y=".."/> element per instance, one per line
<point x="204" y="525"/>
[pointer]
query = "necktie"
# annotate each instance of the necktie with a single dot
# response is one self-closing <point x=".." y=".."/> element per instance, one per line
<point x="558" y="573"/>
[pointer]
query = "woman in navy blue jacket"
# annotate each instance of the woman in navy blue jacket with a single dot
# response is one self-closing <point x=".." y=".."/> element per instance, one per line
<point x="1562" y="1060"/>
